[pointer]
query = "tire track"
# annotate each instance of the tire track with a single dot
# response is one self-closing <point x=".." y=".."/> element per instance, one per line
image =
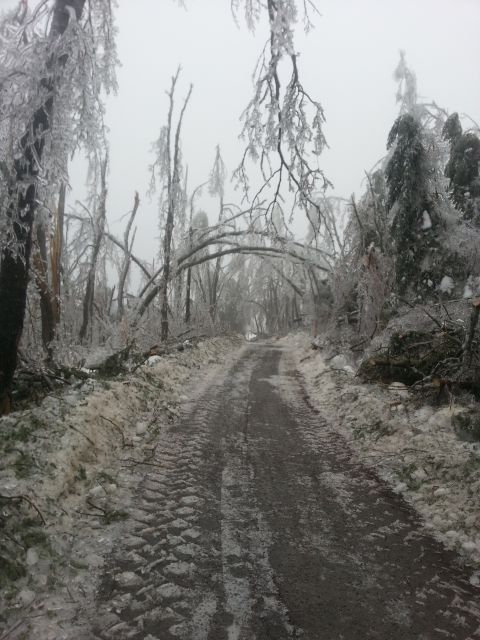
<point x="154" y="581"/>
<point x="253" y="521"/>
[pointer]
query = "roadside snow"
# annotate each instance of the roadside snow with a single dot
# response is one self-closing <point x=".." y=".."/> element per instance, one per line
<point x="67" y="457"/>
<point x="411" y="446"/>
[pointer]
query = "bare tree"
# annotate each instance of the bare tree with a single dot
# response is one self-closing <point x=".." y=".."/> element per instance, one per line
<point x="169" y="166"/>
<point x="191" y="231"/>
<point x="217" y="188"/>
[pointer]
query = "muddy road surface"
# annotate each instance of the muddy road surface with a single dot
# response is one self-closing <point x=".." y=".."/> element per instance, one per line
<point x="255" y="522"/>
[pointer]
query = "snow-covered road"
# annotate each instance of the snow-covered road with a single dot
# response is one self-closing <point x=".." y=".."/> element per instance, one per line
<point x="254" y="521"/>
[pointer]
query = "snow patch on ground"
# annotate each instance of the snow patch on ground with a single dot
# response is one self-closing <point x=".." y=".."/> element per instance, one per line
<point x="414" y="448"/>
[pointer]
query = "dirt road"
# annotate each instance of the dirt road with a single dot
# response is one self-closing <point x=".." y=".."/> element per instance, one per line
<point x="254" y="522"/>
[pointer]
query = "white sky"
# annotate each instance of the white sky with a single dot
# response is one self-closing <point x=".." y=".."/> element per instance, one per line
<point x="346" y="63"/>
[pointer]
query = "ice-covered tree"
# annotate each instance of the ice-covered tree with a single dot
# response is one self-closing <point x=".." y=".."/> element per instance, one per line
<point x="282" y="124"/>
<point x="410" y="173"/>
<point x="97" y="217"/>
<point x="462" y="168"/>
<point x="216" y="188"/>
<point x="168" y="170"/>
<point x="405" y="175"/>
<point x="55" y="60"/>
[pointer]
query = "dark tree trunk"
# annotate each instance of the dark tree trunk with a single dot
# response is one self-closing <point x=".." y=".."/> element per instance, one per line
<point x="188" y="294"/>
<point x="467" y="346"/>
<point x="14" y="269"/>
<point x="13" y="296"/>
<point x="110" y="301"/>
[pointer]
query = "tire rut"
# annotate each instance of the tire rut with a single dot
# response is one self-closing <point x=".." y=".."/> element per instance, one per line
<point x="254" y="522"/>
<point x="149" y="588"/>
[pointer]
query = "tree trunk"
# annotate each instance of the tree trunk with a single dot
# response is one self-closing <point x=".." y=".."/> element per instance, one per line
<point x="214" y="289"/>
<point x="164" y="290"/>
<point x="178" y="300"/>
<point x="98" y="232"/>
<point x="173" y="189"/>
<point x="46" y="304"/>
<point x="56" y="254"/>
<point x="295" y="314"/>
<point x="128" y="253"/>
<point x="188" y="299"/>
<point x="14" y="269"/>
<point x="469" y="337"/>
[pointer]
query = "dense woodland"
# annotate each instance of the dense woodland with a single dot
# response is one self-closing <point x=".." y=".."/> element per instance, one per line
<point x="408" y="243"/>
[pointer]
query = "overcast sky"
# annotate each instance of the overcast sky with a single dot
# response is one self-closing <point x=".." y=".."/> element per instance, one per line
<point x="346" y="63"/>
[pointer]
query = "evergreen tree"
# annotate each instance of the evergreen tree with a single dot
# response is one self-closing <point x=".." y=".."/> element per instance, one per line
<point x="463" y="168"/>
<point x="406" y="176"/>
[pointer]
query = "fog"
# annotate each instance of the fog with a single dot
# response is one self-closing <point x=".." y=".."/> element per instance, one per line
<point x="346" y="63"/>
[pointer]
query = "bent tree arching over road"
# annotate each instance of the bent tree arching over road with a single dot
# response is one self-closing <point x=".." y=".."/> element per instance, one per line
<point x="254" y="520"/>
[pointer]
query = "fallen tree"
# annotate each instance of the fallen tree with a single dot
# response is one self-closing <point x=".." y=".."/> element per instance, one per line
<point x="446" y="357"/>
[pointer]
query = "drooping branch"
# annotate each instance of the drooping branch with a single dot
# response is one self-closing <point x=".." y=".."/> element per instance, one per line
<point x="267" y="252"/>
<point x="275" y="252"/>
<point x="216" y="239"/>
<point x="282" y="126"/>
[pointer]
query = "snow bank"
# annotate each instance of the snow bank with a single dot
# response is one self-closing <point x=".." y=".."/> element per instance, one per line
<point x="412" y="446"/>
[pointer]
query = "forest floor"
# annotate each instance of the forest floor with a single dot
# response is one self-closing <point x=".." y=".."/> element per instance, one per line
<point x="258" y="511"/>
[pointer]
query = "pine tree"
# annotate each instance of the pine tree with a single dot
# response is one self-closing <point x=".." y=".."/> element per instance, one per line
<point x="463" y="168"/>
<point x="407" y="195"/>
